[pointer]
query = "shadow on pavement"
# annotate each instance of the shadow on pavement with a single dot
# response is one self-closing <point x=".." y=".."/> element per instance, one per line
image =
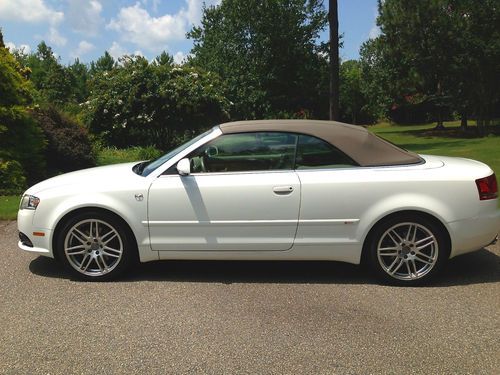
<point x="479" y="267"/>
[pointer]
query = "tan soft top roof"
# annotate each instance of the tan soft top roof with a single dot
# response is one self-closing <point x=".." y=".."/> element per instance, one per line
<point x="362" y="146"/>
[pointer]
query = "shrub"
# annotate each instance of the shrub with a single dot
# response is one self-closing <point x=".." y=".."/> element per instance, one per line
<point x="148" y="153"/>
<point x="12" y="180"/>
<point x="68" y="144"/>
<point x="22" y="140"/>
<point x="20" y="137"/>
<point x="113" y="155"/>
<point x="140" y="104"/>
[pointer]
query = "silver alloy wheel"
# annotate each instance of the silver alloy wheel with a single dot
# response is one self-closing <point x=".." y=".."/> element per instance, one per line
<point x="407" y="251"/>
<point x="93" y="247"/>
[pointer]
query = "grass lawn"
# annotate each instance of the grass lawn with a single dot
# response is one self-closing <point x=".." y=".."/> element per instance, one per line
<point x="418" y="138"/>
<point x="422" y="139"/>
<point x="8" y="207"/>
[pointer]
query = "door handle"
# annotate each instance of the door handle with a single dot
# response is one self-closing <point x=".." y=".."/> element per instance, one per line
<point x="282" y="190"/>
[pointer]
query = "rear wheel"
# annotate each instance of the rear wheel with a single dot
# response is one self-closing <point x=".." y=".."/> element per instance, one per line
<point x="407" y="250"/>
<point x="95" y="246"/>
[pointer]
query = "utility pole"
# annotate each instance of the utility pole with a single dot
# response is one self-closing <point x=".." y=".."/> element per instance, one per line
<point x="334" y="60"/>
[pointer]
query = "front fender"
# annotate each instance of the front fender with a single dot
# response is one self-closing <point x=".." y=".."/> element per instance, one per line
<point x="53" y="207"/>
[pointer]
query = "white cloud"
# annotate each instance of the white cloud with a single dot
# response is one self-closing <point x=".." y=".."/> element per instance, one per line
<point x="154" y="33"/>
<point x="55" y="37"/>
<point x="154" y="4"/>
<point x="29" y="11"/>
<point x="83" y="48"/>
<point x="374" y="32"/>
<point x="84" y="16"/>
<point x="116" y="50"/>
<point x="151" y="33"/>
<point x="22" y="48"/>
<point x="179" y="57"/>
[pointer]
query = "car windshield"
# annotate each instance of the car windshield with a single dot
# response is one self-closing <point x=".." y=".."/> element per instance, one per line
<point x="148" y="167"/>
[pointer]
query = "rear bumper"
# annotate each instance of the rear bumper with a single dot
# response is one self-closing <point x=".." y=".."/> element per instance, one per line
<point x="474" y="233"/>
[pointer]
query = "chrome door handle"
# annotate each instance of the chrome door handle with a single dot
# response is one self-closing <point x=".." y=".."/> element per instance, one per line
<point x="282" y="190"/>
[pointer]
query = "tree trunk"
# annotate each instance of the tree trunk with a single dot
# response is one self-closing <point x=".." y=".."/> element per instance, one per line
<point x="463" y="120"/>
<point x="480" y="123"/>
<point x="334" y="59"/>
<point x="440" y="125"/>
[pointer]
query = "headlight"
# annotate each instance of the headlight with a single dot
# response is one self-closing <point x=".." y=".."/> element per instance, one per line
<point x="29" y="202"/>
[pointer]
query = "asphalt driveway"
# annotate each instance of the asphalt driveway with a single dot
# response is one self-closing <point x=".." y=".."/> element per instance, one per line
<point x="246" y="318"/>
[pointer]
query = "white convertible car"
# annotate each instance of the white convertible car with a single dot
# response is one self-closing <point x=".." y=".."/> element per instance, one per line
<point x="268" y="190"/>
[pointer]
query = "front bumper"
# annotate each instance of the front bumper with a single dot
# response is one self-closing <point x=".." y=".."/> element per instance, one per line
<point x="41" y="244"/>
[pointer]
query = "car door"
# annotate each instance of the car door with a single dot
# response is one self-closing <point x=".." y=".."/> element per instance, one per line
<point x="242" y="194"/>
<point x="332" y="195"/>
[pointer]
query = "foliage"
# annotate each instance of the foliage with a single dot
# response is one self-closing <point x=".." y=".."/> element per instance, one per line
<point x="378" y="82"/>
<point x="12" y="180"/>
<point x="68" y="144"/>
<point x="105" y="63"/>
<point x="268" y="54"/>
<point x="354" y="101"/>
<point x="476" y="63"/>
<point x="137" y="103"/>
<point x="148" y="153"/>
<point x="79" y="77"/>
<point x="21" y="140"/>
<point x="113" y="155"/>
<point x="53" y="82"/>
<point x="444" y="52"/>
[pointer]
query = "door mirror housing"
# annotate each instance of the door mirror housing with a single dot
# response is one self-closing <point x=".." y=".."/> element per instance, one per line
<point x="184" y="167"/>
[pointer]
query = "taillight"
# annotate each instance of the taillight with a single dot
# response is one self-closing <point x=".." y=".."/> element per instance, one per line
<point x="487" y="187"/>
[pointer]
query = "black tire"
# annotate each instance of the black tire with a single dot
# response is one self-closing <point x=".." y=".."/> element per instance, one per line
<point x="407" y="249"/>
<point x="92" y="255"/>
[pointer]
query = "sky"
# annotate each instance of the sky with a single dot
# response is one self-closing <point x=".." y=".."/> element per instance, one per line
<point x="84" y="29"/>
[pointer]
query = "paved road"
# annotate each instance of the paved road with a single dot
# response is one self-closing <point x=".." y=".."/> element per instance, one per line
<point x="246" y="318"/>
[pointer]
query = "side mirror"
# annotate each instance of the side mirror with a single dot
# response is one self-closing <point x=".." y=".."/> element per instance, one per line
<point x="184" y="167"/>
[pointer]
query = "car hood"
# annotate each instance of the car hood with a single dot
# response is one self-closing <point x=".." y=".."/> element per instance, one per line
<point x="91" y="178"/>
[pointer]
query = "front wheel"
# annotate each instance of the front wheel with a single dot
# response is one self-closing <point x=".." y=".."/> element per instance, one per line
<point x="95" y="246"/>
<point x="407" y="250"/>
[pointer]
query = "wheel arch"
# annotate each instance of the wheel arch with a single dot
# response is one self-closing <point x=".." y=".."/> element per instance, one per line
<point x="80" y="210"/>
<point x="413" y="212"/>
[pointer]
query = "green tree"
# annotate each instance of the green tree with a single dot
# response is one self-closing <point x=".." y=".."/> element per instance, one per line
<point x="355" y="107"/>
<point x="418" y="38"/>
<point x="164" y="59"/>
<point x="105" y="63"/>
<point x="443" y="52"/>
<point x="268" y="53"/>
<point x="476" y="65"/>
<point x="21" y="141"/>
<point x="53" y="82"/>
<point x="80" y="76"/>
<point x="379" y="86"/>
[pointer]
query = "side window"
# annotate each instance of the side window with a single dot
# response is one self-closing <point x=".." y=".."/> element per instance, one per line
<point x="313" y="152"/>
<point x="243" y="152"/>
